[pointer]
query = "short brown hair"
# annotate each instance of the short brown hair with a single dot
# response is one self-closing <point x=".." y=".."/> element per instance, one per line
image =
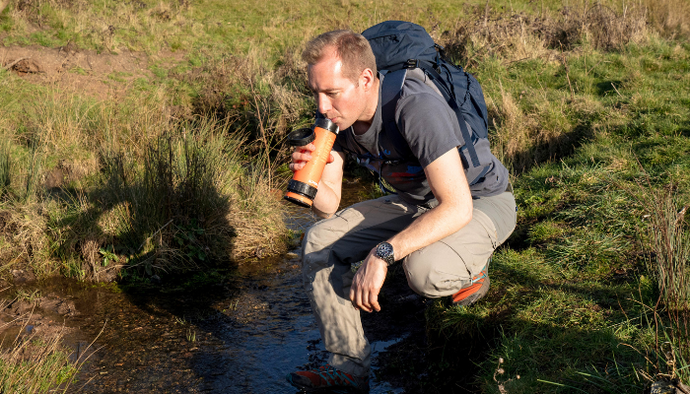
<point x="351" y="48"/>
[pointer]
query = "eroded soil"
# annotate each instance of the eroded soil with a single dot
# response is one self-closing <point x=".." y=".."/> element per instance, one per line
<point x="100" y="75"/>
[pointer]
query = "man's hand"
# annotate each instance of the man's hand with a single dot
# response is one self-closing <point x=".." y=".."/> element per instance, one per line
<point x="367" y="283"/>
<point x="302" y="154"/>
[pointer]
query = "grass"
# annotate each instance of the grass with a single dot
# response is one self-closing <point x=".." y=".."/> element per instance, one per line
<point x="588" y="108"/>
<point x="567" y="286"/>
<point x="48" y="367"/>
<point x="35" y="364"/>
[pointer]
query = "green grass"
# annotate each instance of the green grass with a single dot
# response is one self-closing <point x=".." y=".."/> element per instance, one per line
<point x="34" y="364"/>
<point x="572" y="324"/>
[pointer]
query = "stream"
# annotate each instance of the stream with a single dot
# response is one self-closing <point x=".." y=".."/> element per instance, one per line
<point x="242" y="332"/>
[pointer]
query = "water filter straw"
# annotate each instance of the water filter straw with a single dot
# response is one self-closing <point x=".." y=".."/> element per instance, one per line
<point x="304" y="184"/>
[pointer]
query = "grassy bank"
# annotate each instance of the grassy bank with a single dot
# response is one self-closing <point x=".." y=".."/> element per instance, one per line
<point x="34" y="364"/>
<point x="172" y="162"/>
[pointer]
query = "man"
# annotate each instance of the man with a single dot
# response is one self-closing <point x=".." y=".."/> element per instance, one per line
<point x="442" y="229"/>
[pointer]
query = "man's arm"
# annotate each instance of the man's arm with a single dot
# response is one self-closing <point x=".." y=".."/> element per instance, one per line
<point x="328" y="195"/>
<point x="327" y="198"/>
<point x="450" y="187"/>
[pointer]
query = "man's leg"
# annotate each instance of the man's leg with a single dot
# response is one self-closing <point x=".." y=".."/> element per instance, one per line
<point x="444" y="267"/>
<point x="329" y="247"/>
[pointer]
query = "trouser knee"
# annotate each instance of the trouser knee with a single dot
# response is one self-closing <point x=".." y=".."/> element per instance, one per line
<point x="436" y="271"/>
<point x="417" y="277"/>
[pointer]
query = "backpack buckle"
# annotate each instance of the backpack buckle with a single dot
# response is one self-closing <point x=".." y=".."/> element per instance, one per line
<point x="440" y="49"/>
<point x="411" y="63"/>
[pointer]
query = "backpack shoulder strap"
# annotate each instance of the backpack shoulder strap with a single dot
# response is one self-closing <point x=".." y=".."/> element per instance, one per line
<point x="449" y="95"/>
<point x="390" y="93"/>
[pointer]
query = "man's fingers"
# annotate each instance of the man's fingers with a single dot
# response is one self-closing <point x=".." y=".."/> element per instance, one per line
<point x="375" y="302"/>
<point x="359" y="302"/>
<point x="300" y="156"/>
<point x="370" y="300"/>
<point x="359" y="297"/>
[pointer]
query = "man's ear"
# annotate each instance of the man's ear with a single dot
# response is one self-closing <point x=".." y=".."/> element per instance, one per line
<point x="367" y="78"/>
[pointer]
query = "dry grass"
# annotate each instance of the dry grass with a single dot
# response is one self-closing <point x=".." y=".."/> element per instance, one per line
<point x="517" y="37"/>
<point x="33" y="364"/>
<point x="513" y="132"/>
<point x="670" y="17"/>
<point x="24" y="239"/>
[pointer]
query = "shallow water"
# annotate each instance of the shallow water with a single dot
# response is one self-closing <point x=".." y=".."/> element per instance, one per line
<point x="240" y="334"/>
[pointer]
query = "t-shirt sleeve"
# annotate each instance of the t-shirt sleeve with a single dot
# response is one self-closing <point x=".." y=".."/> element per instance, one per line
<point x="428" y="125"/>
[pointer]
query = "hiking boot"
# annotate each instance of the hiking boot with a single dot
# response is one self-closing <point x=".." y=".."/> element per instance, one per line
<point x="328" y="379"/>
<point x="479" y="286"/>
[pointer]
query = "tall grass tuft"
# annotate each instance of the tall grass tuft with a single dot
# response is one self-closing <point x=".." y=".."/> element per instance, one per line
<point x="670" y="17"/>
<point x="5" y="168"/>
<point x="669" y="241"/>
<point x="170" y="205"/>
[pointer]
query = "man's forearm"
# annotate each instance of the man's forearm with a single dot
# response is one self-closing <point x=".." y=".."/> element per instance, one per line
<point x="326" y="201"/>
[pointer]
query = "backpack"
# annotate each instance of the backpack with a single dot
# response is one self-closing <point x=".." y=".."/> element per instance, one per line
<point x="403" y="49"/>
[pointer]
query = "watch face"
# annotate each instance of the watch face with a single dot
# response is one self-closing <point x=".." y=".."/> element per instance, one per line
<point x="385" y="251"/>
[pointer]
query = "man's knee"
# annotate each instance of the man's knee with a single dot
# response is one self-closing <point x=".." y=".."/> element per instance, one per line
<point x="436" y="271"/>
<point x="318" y="241"/>
<point x="417" y="276"/>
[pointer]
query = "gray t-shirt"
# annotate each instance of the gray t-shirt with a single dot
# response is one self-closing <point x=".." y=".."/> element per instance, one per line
<point x="427" y="129"/>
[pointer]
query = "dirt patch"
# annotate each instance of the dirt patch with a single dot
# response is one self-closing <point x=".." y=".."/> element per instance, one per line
<point x="28" y="319"/>
<point x="101" y="75"/>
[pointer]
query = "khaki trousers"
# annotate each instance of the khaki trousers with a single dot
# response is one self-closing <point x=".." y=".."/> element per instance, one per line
<point x="438" y="270"/>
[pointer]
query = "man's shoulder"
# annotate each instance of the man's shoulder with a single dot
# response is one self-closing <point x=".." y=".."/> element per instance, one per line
<point x="414" y="85"/>
<point x="418" y="100"/>
<point x="415" y="94"/>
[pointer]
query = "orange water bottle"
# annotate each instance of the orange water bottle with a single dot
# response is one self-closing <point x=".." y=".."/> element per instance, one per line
<point x="304" y="184"/>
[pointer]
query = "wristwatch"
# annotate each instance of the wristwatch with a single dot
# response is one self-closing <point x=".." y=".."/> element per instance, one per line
<point x="384" y="251"/>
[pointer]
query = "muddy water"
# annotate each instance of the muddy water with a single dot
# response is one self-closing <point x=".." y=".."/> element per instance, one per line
<point x="241" y="334"/>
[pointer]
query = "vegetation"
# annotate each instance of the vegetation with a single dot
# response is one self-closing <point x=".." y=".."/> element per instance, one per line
<point x="33" y="365"/>
<point x="176" y="164"/>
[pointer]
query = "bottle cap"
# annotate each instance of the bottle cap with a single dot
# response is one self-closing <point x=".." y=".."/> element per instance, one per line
<point x="301" y="137"/>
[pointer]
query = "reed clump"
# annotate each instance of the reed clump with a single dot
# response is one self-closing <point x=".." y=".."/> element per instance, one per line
<point x="668" y="239"/>
<point x="117" y="190"/>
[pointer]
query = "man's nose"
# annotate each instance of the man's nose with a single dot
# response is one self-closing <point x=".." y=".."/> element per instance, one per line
<point x="324" y="104"/>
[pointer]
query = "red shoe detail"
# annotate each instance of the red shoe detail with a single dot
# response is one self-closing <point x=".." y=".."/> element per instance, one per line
<point x="327" y="377"/>
<point x="477" y="289"/>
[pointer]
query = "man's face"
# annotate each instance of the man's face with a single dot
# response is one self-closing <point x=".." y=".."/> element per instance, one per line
<point x="338" y="98"/>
